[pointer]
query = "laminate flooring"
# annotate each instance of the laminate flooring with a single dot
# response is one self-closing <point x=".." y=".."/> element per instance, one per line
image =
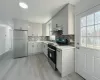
<point x="34" y="67"/>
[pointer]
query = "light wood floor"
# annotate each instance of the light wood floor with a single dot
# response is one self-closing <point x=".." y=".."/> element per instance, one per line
<point x="29" y="68"/>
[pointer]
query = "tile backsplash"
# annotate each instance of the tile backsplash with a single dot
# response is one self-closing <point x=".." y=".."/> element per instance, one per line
<point x="71" y="38"/>
<point x="38" y="38"/>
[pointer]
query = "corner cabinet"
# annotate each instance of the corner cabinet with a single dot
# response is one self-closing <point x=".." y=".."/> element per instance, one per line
<point x="65" y="61"/>
<point x="65" y="19"/>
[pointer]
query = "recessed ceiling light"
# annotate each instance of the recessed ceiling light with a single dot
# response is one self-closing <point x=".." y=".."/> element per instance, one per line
<point x="23" y="5"/>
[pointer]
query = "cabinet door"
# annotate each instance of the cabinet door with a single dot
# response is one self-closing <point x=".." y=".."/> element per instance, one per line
<point x="44" y="30"/>
<point x="59" y="60"/>
<point x="43" y="48"/>
<point x="30" y="31"/>
<point x="24" y="26"/>
<point x="46" y="50"/>
<point x="20" y="24"/>
<point x="34" y="48"/>
<point x="30" y="47"/>
<point x="17" y="27"/>
<point x="37" y="29"/>
<point x="39" y="47"/>
<point x="47" y="30"/>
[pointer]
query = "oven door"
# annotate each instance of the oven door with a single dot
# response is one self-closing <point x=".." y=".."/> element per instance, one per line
<point x="52" y="55"/>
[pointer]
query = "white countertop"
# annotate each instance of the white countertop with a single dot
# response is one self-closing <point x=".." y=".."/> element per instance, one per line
<point x="65" y="47"/>
<point x="55" y="44"/>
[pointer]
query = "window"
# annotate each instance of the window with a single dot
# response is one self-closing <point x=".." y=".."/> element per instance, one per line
<point x="90" y="31"/>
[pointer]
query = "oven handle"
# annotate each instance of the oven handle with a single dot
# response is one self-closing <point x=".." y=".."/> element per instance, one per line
<point x="51" y="49"/>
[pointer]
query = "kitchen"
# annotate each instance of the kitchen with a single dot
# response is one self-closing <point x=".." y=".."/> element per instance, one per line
<point x="50" y="47"/>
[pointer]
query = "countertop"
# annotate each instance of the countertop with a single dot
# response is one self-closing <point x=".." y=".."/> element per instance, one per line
<point x="55" y="44"/>
<point x="65" y="47"/>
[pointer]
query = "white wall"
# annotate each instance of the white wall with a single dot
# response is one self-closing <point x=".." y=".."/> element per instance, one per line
<point x="6" y="36"/>
<point x="84" y="5"/>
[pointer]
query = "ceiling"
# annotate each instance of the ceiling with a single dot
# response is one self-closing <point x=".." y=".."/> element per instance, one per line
<point x="39" y="11"/>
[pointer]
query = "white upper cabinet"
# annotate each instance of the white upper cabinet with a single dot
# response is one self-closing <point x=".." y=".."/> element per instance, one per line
<point x="45" y="48"/>
<point x="30" y="31"/>
<point x="47" y="28"/>
<point x="20" y="24"/>
<point x="43" y="29"/>
<point x="65" y="19"/>
<point x="50" y="28"/>
<point x="35" y="29"/>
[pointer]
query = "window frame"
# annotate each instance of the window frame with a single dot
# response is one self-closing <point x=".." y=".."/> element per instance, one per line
<point x="94" y="34"/>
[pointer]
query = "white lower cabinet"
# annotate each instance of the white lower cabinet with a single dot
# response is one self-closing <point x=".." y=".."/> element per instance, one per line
<point x="65" y="61"/>
<point x="34" y="48"/>
<point x="30" y="46"/>
<point x="45" y="49"/>
<point x="59" y="60"/>
<point x="39" y="47"/>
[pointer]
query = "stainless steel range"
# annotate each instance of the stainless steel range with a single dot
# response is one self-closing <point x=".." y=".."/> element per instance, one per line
<point x="52" y="56"/>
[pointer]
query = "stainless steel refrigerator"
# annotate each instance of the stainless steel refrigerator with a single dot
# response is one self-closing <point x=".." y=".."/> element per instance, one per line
<point x="20" y="43"/>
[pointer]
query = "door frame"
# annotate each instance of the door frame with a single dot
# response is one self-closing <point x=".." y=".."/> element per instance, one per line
<point x="95" y="54"/>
